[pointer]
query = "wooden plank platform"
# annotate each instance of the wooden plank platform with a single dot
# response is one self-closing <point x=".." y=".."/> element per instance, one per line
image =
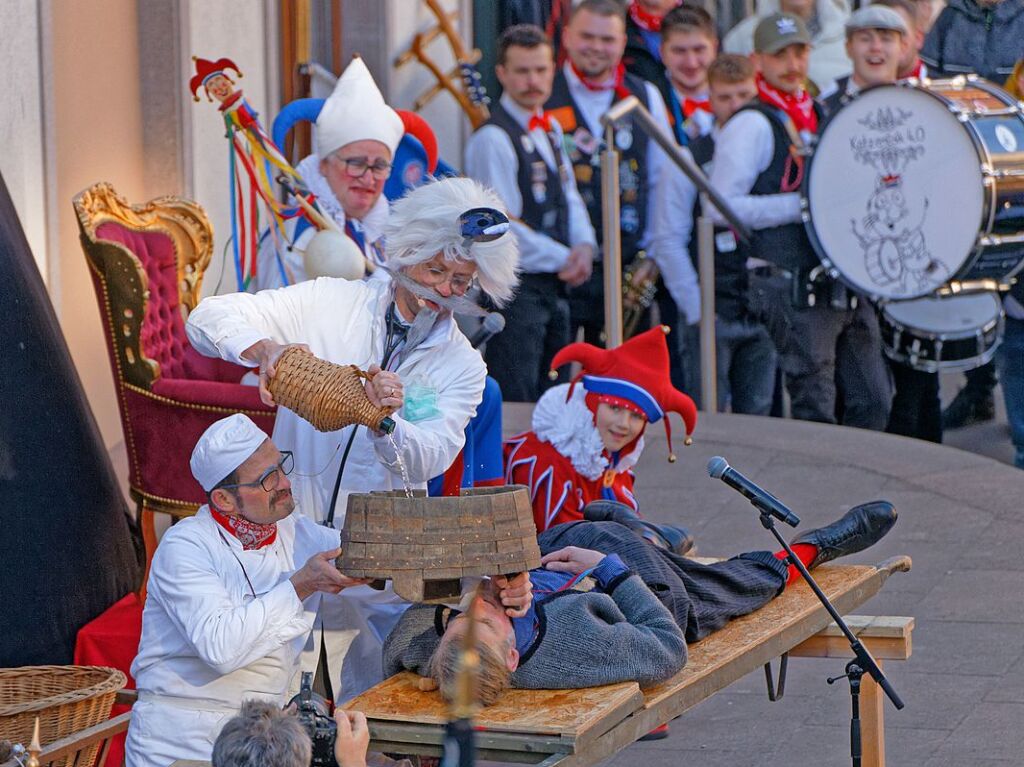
<point x="744" y="645"/>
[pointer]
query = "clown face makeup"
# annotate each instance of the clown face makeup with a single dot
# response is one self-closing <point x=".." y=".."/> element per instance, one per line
<point x="618" y="425"/>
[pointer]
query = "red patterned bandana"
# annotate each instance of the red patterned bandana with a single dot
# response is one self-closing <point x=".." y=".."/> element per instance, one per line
<point x="617" y="84"/>
<point x="799" y="106"/>
<point x="252" y="535"/>
<point x="651" y="22"/>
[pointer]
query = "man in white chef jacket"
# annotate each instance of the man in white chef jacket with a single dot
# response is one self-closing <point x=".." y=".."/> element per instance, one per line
<point x="232" y="596"/>
<point x="441" y="239"/>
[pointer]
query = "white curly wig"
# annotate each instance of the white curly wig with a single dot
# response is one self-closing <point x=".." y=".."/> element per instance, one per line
<point x="426" y="222"/>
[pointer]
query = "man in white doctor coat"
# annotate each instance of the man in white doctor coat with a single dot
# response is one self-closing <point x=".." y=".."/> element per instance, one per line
<point x="233" y="593"/>
<point x="441" y="238"/>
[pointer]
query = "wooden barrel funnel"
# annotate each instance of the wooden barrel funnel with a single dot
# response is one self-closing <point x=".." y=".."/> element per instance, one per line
<point x="425" y="545"/>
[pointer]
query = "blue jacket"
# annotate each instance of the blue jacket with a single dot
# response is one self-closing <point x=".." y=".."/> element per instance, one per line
<point x="969" y="37"/>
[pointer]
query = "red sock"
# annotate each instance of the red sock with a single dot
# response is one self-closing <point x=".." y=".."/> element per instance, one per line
<point x="805" y="552"/>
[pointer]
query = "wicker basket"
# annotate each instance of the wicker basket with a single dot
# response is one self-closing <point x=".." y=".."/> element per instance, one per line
<point x="329" y="396"/>
<point x="66" y="699"/>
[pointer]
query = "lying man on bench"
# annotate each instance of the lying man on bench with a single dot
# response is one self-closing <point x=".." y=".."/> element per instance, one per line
<point x="609" y="607"/>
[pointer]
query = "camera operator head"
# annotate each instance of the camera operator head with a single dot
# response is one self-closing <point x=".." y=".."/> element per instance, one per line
<point x="262" y="735"/>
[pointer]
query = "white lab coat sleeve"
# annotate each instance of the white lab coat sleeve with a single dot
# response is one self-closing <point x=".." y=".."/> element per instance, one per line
<point x="428" y="447"/>
<point x="226" y="636"/>
<point x="742" y="152"/>
<point x="225" y="326"/>
<point x="671" y="229"/>
<point x="491" y="160"/>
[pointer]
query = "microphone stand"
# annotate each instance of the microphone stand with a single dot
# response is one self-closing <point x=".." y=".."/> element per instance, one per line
<point x="862" y="661"/>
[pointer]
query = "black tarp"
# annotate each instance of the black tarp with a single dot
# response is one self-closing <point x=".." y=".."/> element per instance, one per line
<point x="67" y="543"/>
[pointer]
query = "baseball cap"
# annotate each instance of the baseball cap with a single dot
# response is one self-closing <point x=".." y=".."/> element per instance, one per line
<point x="779" y="30"/>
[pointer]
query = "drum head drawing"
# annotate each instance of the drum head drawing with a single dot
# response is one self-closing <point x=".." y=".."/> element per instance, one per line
<point x="943" y="317"/>
<point x="895" y="193"/>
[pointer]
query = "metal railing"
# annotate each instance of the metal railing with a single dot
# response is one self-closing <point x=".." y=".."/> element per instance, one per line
<point x="631" y="107"/>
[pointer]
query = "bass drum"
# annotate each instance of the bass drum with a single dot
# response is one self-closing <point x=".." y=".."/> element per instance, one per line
<point x="918" y="188"/>
<point x="942" y="333"/>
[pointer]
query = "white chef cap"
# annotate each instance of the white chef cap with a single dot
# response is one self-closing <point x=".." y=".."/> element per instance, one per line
<point x="356" y="111"/>
<point x="225" y="446"/>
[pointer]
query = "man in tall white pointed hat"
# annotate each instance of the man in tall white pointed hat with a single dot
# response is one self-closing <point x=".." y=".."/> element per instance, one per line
<point x="441" y="238"/>
<point x="356" y="136"/>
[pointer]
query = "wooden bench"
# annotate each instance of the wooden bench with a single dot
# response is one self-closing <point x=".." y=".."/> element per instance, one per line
<point x="573" y="728"/>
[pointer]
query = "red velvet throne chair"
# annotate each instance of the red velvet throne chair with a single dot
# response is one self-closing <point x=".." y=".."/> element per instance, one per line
<point x="147" y="264"/>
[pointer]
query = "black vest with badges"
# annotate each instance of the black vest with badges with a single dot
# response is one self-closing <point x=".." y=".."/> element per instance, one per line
<point x="837" y="98"/>
<point x="731" y="281"/>
<point x="584" y="152"/>
<point x="787" y="245"/>
<point x="545" y="207"/>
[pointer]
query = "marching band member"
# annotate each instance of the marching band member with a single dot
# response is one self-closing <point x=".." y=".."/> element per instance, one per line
<point x="519" y="154"/>
<point x="439" y="242"/>
<point x="834" y="342"/>
<point x="588" y="435"/>
<point x="592" y="79"/>
<point x="233" y="592"/>
<point x="746" y="356"/>
<point x="877" y="40"/>
<point x="688" y="46"/>
<point x="915" y="15"/>
<point x="356" y="138"/>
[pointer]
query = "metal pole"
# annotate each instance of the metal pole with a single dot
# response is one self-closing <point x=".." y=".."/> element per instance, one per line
<point x="612" y="246"/>
<point x="706" y="274"/>
<point x="632" y="106"/>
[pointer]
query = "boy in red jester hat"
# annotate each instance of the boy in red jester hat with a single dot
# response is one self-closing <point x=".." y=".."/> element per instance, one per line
<point x="588" y="435"/>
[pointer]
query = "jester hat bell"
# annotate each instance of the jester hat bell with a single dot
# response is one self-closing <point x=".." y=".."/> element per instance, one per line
<point x="637" y="371"/>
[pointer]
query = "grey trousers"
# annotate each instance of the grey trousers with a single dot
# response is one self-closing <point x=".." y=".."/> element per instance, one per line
<point x="835" y="368"/>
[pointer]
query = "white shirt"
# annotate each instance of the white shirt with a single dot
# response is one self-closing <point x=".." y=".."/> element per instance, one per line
<point x="743" y="152"/>
<point x="671" y="228"/>
<point x="594" y="103"/>
<point x="220" y="625"/>
<point x="491" y="159"/>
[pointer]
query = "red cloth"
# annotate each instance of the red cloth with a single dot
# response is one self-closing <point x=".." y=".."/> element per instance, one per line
<point x="617" y="83"/>
<point x="799" y="106"/>
<point x="253" y="535"/>
<point x="915" y="71"/>
<point x="112" y="640"/>
<point x="646" y="20"/>
<point x="557" y="490"/>
<point x="805" y="552"/>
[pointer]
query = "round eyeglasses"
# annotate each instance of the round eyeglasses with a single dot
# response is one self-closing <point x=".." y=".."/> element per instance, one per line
<point x="356" y="167"/>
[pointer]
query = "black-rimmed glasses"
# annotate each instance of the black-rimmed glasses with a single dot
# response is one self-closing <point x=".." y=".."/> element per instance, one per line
<point x="356" y="167"/>
<point x="271" y="478"/>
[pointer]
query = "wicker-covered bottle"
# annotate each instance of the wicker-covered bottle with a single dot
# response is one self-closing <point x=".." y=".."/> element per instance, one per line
<point x="329" y="396"/>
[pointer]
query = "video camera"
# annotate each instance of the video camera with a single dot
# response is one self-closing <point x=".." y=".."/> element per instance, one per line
<point x="314" y="713"/>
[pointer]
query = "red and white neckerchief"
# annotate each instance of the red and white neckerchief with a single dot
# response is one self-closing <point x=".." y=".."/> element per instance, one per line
<point x="799" y="106"/>
<point x="650" y="22"/>
<point x="252" y="535"/>
<point x="617" y="83"/>
<point x="539" y="121"/>
<point x="915" y="71"/>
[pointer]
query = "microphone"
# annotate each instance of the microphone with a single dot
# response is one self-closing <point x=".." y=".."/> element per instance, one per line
<point x="719" y="468"/>
<point x="493" y="324"/>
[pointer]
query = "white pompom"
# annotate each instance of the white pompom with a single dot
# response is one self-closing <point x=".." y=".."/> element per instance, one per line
<point x="332" y="254"/>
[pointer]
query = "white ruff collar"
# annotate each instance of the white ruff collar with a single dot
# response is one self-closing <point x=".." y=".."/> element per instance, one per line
<point x="373" y="223"/>
<point x="569" y="427"/>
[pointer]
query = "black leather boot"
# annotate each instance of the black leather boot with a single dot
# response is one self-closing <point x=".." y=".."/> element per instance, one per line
<point x="860" y="527"/>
